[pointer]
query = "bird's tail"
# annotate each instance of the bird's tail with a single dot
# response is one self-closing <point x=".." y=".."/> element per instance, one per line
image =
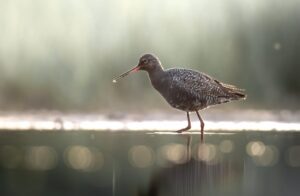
<point x="238" y="95"/>
<point x="234" y="92"/>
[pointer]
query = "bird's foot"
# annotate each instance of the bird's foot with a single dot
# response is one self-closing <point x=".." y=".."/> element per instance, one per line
<point x="183" y="130"/>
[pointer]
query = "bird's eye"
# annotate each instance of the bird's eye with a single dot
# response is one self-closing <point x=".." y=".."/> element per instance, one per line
<point x="144" y="61"/>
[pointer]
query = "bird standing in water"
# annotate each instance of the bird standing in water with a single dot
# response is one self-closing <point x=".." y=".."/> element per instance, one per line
<point x="186" y="89"/>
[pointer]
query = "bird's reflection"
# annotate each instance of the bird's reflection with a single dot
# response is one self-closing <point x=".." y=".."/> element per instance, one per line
<point x="195" y="177"/>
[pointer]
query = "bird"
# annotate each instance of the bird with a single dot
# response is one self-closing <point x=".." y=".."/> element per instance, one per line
<point x="185" y="89"/>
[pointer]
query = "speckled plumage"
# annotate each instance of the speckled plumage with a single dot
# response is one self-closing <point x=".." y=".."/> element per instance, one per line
<point x="186" y="89"/>
<point x="190" y="90"/>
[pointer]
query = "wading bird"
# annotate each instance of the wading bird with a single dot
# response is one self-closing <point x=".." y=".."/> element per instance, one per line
<point x="186" y="89"/>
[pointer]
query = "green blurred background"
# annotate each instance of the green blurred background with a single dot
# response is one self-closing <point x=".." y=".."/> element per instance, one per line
<point x="62" y="55"/>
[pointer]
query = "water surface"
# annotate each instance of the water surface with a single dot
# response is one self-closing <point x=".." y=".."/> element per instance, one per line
<point x="149" y="163"/>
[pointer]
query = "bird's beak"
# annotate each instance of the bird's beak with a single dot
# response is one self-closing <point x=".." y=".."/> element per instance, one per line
<point x="135" y="69"/>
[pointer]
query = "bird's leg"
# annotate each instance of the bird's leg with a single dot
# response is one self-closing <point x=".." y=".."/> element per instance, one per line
<point x="201" y="124"/>
<point x="189" y="124"/>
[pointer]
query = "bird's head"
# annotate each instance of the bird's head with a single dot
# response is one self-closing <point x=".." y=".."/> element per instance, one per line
<point x="148" y="62"/>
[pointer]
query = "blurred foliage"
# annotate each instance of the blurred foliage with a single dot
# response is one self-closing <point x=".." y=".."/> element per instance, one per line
<point x="63" y="54"/>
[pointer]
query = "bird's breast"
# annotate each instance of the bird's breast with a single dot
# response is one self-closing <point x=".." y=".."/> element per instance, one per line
<point x="177" y="97"/>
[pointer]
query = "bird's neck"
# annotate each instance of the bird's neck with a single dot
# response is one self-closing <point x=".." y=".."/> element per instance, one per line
<point x="155" y="76"/>
<point x="156" y="72"/>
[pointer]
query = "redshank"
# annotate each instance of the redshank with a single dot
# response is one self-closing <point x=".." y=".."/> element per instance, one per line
<point x="186" y="89"/>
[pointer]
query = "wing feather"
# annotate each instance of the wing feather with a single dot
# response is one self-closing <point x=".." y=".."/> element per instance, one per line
<point x="193" y="85"/>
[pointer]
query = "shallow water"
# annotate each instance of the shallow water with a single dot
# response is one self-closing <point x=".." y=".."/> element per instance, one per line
<point x="149" y="163"/>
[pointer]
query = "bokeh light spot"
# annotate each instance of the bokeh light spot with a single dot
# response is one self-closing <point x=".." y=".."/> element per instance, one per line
<point x="79" y="157"/>
<point x="277" y="46"/>
<point x="40" y="158"/>
<point x="269" y="157"/>
<point x="175" y="153"/>
<point x="207" y="152"/>
<point x="255" y="148"/>
<point x="141" y="156"/>
<point x="226" y="146"/>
